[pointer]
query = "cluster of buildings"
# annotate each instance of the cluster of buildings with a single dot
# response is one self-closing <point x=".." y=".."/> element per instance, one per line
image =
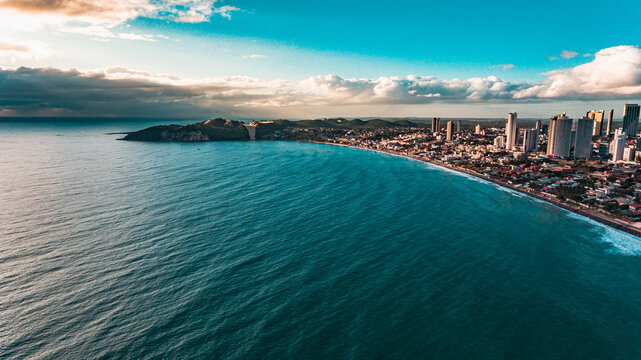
<point x="586" y="163"/>
<point x="582" y="138"/>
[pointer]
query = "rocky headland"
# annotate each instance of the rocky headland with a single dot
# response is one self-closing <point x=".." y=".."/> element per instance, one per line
<point x="231" y="130"/>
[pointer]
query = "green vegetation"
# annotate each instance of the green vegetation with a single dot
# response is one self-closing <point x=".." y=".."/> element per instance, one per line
<point x="611" y="206"/>
<point x="221" y="129"/>
<point x="573" y="193"/>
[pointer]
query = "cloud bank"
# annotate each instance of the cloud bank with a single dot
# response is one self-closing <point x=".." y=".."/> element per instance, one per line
<point x="119" y="11"/>
<point x="97" y="18"/>
<point x="614" y="73"/>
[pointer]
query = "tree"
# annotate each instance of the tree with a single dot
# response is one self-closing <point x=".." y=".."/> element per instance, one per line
<point x="611" y="206"/>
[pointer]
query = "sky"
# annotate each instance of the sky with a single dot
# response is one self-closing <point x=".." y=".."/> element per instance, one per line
<point x="304" y="59"/>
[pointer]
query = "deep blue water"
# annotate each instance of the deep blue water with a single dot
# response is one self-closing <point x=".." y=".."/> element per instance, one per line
<point x="274" y="250"/>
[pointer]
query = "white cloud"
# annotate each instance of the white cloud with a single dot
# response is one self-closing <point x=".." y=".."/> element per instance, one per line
<point x="226" y="10"/>
<point x="5" y="46"/>
<point x="567" y="54"/>
<point x="12" y="51"/>
<point x="552" y="58"/>
<point x="502" y="66"/>
<point x="141" y="37"/>
<point x="254" y="56"/>
<point x="97" y="18"/>
<point x="613" y="74"/>
<point x="119" y="11"/>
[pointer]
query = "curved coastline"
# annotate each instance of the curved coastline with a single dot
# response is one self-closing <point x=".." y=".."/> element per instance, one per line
<point x="588" y="215"/>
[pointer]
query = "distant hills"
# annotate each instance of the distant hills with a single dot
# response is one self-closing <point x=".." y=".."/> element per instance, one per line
<point x="343" y="123"/>
<point x="222" y="129"/>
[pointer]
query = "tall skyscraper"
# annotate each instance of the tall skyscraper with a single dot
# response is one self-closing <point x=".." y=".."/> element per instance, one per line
<point x="458" y="126"/>
<point x="619" y="144"/>
<point x="530" y="140"/>
<point x="549" y="130"/>
<point x="436" y="124"/>
<point x="450" y="130"/>
<point x="631" y="119"/>
<point x="560" y="139"/>
<point x="548" y="151"/>
<point x="597" y="116"/>
<point x="510" y="131"/>
<point x="538" y="125"/>
<point x="608" y="129"/>
<point x="583" y="139"/>
<point x="477" y="129"/>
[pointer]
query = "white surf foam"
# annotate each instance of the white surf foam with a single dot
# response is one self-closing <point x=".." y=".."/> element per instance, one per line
<point x="624" y="243"/>
<point x="621" y="242"/>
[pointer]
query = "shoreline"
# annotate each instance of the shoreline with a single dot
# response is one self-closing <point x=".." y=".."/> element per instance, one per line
<point x="584" y="212"/>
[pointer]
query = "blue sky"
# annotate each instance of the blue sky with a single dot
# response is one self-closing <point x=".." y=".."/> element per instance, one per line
<point x="517" y="42"/>
<point x="452" y="39"/>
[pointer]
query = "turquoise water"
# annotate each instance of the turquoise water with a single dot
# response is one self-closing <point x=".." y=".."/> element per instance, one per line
<point x="274" y="250"/>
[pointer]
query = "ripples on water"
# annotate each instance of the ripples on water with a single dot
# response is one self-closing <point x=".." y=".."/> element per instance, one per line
<point x="112" y="249"/>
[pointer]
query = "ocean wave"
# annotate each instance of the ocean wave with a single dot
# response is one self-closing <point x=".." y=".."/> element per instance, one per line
<point x="624" y="243"/>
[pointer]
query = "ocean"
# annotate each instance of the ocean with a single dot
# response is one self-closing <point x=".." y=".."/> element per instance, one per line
<point x="281" y="250"/>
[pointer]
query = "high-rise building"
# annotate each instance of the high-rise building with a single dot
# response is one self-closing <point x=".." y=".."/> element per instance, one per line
<point x="597" y="116"/>
<point x="477" y="129"/>
<point x="631" y="119"/>
<point x="608" y="129"/>
<point x="530" y="140"/>
<point x="436" y="124"/>
<point x="499" y="142"/>
<point x="583" y="139"/>
<point x="538" y="125"/>
<point x="450" y="130"/>
<point x="628" y="154"/>
<point x="510" y="131"/>
<point x="458" y="126"/>
<point x="560" y="139"/>
<point x="619" y="144"/>
<point x="548" y="151"/>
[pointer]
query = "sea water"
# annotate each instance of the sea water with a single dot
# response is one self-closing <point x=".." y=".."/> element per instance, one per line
<point x="284" y="250"/>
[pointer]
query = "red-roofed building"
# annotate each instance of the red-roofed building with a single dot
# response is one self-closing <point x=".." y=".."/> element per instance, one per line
<point x="635" y="208"/>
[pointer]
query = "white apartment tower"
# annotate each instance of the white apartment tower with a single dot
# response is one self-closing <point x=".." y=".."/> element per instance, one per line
<point x="619" y="144"/>
<point x="450" y="129"/>
<point x="510" y="131"/>
<point x="560" y="138"/>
